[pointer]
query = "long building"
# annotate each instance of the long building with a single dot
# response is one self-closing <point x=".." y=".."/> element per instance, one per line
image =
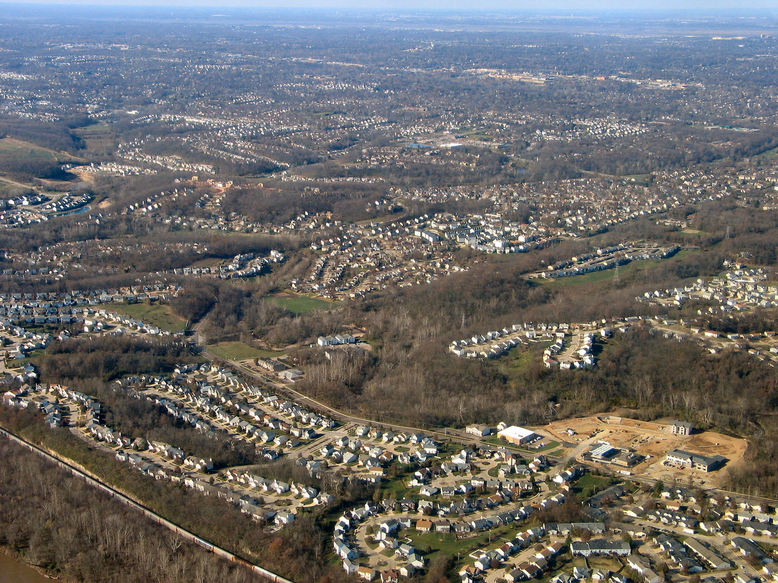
<point x="601" y="547"/>
<point x="517" y="435"/>
<point x="708" y="556"/>
<point x="685" y="459"/>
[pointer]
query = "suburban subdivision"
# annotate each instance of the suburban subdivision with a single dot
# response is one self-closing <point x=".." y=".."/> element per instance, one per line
<point x="355" y="295"/>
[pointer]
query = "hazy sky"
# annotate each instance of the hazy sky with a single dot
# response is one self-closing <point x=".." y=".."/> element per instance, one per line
<point x="766" y="6"/>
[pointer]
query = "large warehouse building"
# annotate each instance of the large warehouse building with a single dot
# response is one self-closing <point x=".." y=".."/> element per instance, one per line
<point x="517" y="435"/>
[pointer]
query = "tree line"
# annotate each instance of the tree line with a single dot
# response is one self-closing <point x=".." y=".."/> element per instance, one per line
<point x="70" y="530"/>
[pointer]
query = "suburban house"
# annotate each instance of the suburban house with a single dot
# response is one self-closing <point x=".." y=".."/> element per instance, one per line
<point x="479" y="430"/>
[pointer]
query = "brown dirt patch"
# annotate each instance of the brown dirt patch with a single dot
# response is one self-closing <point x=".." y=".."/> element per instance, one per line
<point x="651" y="440"/>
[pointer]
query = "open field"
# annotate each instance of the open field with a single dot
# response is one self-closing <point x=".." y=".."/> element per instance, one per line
<point x="13" y="149"/>
<point x="771" y="154"/>
<point x="521" y="357"/>
<point x="207" y="262"/>
<point x="590" y="483"/>
<point x="593" y="277"/>
<point x="621" y="272"/>
<point x="451" y="545"/>
<point x="98" y="137"/>
<point x="651" y="440"/>
<point x="299" y="304"/>
<point x="238" y="351"/>
<point x="18" y="148"/>
<point x="159" y="315"/>
<point x="10" y="188"/>
<point x="644" y="179"/>
<point x="626" y="272"/>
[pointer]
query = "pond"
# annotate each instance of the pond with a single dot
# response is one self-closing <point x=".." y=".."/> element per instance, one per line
<point x="15" y="571"/>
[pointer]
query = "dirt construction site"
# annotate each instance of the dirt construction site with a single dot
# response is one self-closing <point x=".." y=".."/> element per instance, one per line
<point x="652" y="441"/>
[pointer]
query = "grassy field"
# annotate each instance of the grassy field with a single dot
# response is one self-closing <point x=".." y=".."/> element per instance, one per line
<point x="625" y="272"/>
<point x="396" y="487"/>
<point x="769" y="154"/>
<point x="693" y="236"/>
<point x="520" y="358"/>
<point x="98" y="137"/>
<point x="604" y="563"/>
<point x="159" y="315"/>
<point x="593" y="277"/>
<point x="300" y="304"/>
<point x="644" y="179"/>
<point x="10" y="147"/>
<point x="239" y="351"/>
<point x="476" y="134"/>
<point x="207" y="262"/>
<point x="546" y="449"/>
<point x="494" y="440"/>
<point x="448" y="544"/>
<point x="589" y="484"/>
<point x="8" y="190"/>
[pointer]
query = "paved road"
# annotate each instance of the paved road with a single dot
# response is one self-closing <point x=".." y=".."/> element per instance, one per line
<point x="456" y="434"/>
<point x="375" y="556"/>
<point x="711" y="540"/>
<point x="344" y="418"/>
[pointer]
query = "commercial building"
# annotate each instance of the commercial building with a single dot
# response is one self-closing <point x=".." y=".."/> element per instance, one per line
<point x="685" y="459"/>
<point x="517" y="435"/>
<point x="679" y="428"/>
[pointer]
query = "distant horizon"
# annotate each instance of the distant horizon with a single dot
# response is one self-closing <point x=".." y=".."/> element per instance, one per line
<point x="695" y="7"/>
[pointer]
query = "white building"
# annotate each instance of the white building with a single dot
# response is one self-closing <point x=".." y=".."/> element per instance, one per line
<point x="517" y="435"/>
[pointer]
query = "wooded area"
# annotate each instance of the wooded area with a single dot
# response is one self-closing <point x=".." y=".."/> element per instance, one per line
<point x="68" y="529"/>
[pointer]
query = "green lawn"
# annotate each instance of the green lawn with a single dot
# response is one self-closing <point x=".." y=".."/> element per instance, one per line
<point x="448" y="544"/>
<point x="397" y="477"/>
<point x="159" y="315"/>
<point x="589" y="484"/>
<point x="624" y="272"/>
<point x="494" y="440"/>
<point x="593" y="277"/>
<point x="549" y="445"/>
<point x="300" y="304"/>
<point x="520" y="358"/>
<point x="396" y="488"/>
<point x="239" y="351"/>
<point x="605" y="564"/>
<point x="644" y="179"/>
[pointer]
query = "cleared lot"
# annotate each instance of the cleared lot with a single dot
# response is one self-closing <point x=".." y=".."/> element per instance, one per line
<point x="650" y="439"/>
